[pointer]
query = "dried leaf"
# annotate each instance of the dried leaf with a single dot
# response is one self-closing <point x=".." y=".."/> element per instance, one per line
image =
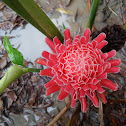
<point x="32" y="99"/>
<point x="68" y="2"/>
<point x="6" y="26"/>
<point x="74" y="116"/>
<point x="11" y="98"/>
<point x="1" y="74"/>
<point x="3" y="63"/>
<point x="1" y="105"/>
<point x="115" y="122"/>
<point x="2" y="5"/>
<point x="63" y="11"/>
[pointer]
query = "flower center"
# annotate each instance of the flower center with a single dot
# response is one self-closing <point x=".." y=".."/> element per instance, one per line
<point x="79" y="64"/>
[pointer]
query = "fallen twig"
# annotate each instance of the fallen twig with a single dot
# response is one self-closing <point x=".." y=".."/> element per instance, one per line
<point x="58" y="116"/>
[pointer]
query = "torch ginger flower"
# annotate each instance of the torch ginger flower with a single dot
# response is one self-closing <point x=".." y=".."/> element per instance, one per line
<point x="79" y="68"/>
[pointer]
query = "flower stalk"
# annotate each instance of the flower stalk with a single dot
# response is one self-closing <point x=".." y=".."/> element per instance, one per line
<point x="13" y="73"/>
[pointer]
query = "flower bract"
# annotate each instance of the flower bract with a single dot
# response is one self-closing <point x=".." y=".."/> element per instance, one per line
<point x="79" y="68"/>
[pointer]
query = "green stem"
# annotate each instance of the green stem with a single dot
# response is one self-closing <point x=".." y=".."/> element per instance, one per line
<point x="33" y="70"/>
<point x="92" y="14"/>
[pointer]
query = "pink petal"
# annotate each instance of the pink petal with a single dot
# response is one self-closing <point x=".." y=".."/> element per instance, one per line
<point x="85" y="87"/>
<point x="50" y="83"/>
<point x="92" y="87"/>
<point x="100" y="38"/>
<point x="115" y="62"/>
<point x="109" y="84"/>
<point x="60" y="48"/>
<point x="60" y="83"/>
<point x="82" y="93"/>
<point x="76" y="38"/>
<point x="51" y="44"/>
<point x="102" y="44"/>
<point x="52" y="90"/>
<point x="68" y="42"/>
<point x="95" y="81"/>
<point x="100" y="89"/>
<point x="83" y="40"/>
<point x="102" y="76"/>
<point x="93" y="98"/>
<point x="94" y="43"/>
<point x="47" y="72"/>
<point x="73" y="98"/>
<point x="101" y="69"/>
<point x="68" y="88"/>
<point x="56" y="41"/>
<point x="46" y="55"/>
<point x="99" y="60"/>
<point x="67" y="34"/>
<point x="53" y="57"/>
<point x="113" y="70"/>
<point x="73" y="103"/>
<point x="87" y="34"/>
<point x="102" y="97"/>
<point x="63" y="94"/>
<point x="50" y="64"/>
<point x="111" y="54"/>
<point x="42" y="61"/>
<point x="83" y="104"/>
<point x="104" y="55"/>
<point x="90" y="81"/>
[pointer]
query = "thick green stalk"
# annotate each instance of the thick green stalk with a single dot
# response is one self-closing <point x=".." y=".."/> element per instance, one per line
<point x="92" y="14"/>
<point x="31" y="12"/>
<point x="13" y="73"/>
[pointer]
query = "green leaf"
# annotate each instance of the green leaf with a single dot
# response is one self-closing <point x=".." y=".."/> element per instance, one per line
<point x="41" y="18"/>
<point x="31" y="12"/>
<point x="7" y="44"/>
<point x="92" y="14"/>
<point x="17" y="7"/>
<point x="64" y="27"/>
<point x="14" y="55"/>
<point x="124" y="27"/>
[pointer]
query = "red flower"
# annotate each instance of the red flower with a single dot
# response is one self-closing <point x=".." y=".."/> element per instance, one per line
<point x="79" y="68"/>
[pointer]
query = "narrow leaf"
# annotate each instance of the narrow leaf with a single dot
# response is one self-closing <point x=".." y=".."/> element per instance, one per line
<point x="41" y="18"/>
<point x="17" y="7"/>
<point x="26" y="12"/>
<point x="92" y="14"/>
<point x="64" y="27"/>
